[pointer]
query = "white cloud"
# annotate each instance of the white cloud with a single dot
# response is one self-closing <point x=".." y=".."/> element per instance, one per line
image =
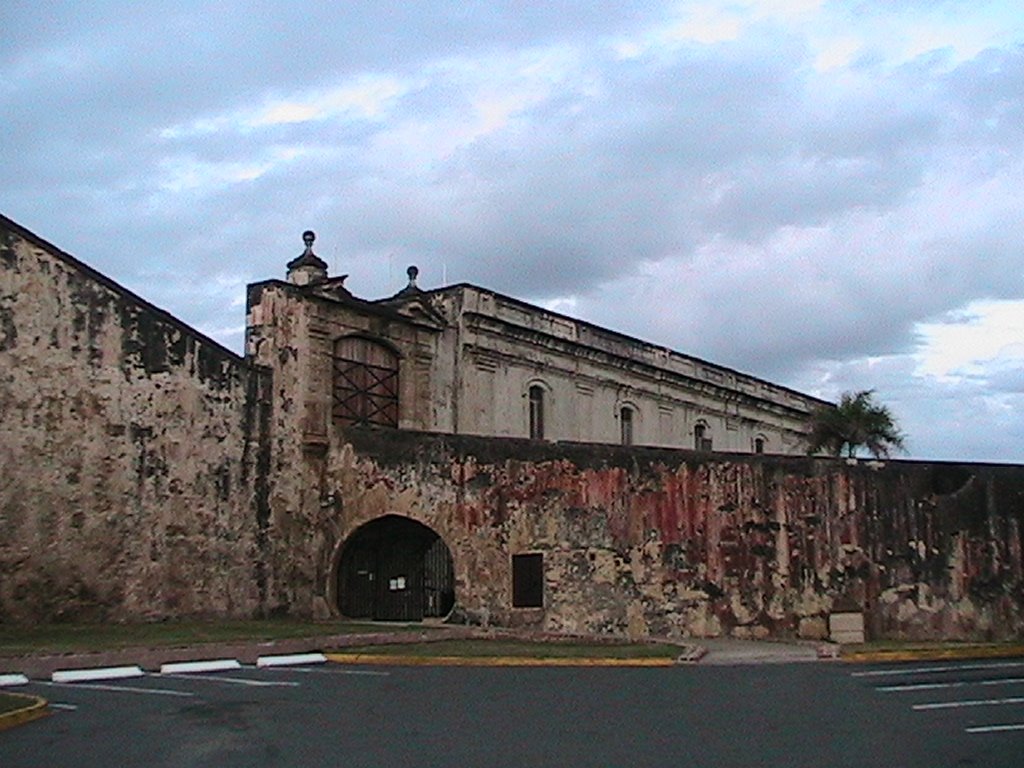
<point x="365" y="97"/>
<point x="837" y="52"/>
<point x="186" y="173"/>
<point x="799" y="189"/>
<point x="984" y="337"/>
<point x="369" y="97"/>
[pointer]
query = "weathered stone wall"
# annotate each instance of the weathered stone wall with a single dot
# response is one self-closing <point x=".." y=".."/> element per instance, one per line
<point x="147" y="472"/>
<point x="638" y="541"/>
<point x="133" y="459"/>
<point x="293" y="330"/>
<point x="643" y="541"/>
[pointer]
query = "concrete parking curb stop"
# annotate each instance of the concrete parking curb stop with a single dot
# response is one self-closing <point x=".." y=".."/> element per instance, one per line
<point x="290" y="660"/>
<point x="7" y="680"/>
<point x="35" y="707"/>
<point x="195" y="667"/>
<point x="493" y="661"/>
<point x="96" y="673"/>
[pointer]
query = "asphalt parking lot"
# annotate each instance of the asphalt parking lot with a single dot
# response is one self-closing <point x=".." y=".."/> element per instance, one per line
<point x="956" y="714"/>
<point x="973" y="697"/>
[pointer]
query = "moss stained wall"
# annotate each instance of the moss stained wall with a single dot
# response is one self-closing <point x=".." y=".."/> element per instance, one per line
<point x="645" y="541"/>
<point x="147" y="472"/>
<point x="292" y="330"/>
<point x="133" y="463"/>
<point x="635" y="540"/>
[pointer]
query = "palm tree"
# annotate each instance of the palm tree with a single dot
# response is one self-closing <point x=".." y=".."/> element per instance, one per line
<point x="858" y="421"/>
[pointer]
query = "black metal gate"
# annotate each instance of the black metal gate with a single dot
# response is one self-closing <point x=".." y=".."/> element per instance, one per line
<point x="395" y="569"/>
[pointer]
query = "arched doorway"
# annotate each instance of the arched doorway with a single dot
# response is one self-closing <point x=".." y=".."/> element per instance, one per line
<point x="395" y="569"/>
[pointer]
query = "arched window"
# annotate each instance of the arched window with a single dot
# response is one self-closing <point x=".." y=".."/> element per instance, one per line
<point x="536" y="412"/>
<point x="365" y="382"/>
<point x="759" y="444"/>
<point x="701" y="438"/>
<point x="626" y="425"/>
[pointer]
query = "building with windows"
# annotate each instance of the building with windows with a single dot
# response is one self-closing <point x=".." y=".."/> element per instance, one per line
<point x="451" y="454"/>
<point x="466" y="360"/>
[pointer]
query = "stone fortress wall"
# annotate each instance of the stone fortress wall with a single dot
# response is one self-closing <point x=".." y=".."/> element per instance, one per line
<point x="652" y="541"/>
<point x="148" y="473"/>
<point x="133" y="471"/>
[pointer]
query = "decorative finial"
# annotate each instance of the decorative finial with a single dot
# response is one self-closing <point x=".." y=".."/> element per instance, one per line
<point x="413" y="272"/>
<point x="307" y="268"/>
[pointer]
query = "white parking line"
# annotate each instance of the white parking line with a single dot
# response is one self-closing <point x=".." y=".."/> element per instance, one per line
<point x="927" y="670"/>
<point x="237" y="680"/>
<point x="969" y="703"/>
<point x="995" y="728"/>
<point x="59" y="705"/>
<point x="118" y="688"/>
<point x="957" y="684"/>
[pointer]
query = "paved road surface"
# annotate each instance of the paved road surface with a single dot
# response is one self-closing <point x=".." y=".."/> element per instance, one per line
<point x="813" y="714"/>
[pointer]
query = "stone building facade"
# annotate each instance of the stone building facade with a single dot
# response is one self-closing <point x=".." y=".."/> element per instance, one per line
<point x="374" y="459"/>
<point x="465" y="360"/>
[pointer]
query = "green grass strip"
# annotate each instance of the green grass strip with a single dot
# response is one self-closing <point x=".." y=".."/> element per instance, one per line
<point x="65" y="638"/>
<point x="521" y="649"/>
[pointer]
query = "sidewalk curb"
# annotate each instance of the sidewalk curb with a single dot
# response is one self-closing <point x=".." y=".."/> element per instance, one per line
<point x="493" y="661"/>
<point x="35" y="708"/>
<point x="931" y="654"/>
<point x="151" y="657"/>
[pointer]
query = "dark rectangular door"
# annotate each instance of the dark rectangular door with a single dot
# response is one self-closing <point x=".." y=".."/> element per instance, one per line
<point x="400" y="584"/>
<point x="358" y="584"/>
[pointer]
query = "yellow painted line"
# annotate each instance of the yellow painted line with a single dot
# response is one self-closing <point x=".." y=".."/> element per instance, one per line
<point x="933" y="654"/>
<point x="35" y="707"/>
<point x="493" y="661"/>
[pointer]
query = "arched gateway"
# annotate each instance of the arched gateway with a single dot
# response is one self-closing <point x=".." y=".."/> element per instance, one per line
<point x="395" y="569"/>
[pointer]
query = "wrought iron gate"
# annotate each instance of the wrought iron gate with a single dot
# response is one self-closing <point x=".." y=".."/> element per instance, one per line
<point x="395" y="569"/>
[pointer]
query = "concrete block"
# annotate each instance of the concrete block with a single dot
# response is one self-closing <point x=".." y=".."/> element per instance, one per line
<point x="291" y="659"/>
<point x="212" y="665"/>
<point x="847" y="628"/>
<point x="98" y="673"/>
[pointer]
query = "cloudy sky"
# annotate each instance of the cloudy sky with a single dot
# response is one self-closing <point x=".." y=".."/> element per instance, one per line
<point x="829" y="195"/>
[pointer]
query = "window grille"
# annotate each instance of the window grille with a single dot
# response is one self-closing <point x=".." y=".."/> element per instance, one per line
<point x="365" y="382"/>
